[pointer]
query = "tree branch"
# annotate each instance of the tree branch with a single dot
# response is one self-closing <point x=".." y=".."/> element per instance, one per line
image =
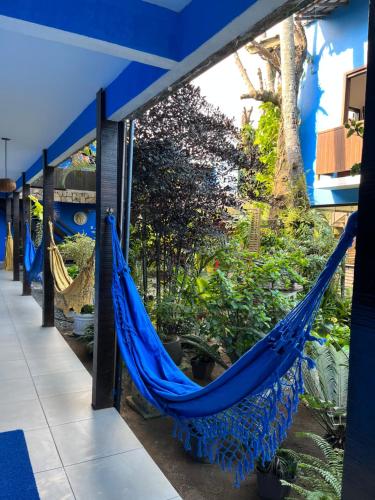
<point x="252" y="92"/>
<point x="266" y="54"/>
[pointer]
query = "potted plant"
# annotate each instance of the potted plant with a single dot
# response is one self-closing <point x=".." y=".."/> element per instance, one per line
<point x="168" y="321"/>
<point x="206" y="355"/>
<point x="270" y="476"/>
<point x="83" y="319"/>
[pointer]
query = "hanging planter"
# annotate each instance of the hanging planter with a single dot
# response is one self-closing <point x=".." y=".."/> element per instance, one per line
<point x="7" y="185"/>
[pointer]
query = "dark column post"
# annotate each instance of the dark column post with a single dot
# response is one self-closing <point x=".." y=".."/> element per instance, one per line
<point x="359" y="462"/>
<point x="48" y="284"/>
<point x="16" y="236"/>
<point x="107" y="158"/>
<point x="26" y="285"/>
<point x="8" y="210"/>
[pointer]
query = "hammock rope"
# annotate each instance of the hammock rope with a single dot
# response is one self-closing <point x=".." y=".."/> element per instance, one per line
<point x="244" y="414"/>
<point x="71" y="294"/>
<point x="8" y="265"/>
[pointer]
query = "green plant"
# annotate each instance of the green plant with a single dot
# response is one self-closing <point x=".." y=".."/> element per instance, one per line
<point x="265" y="138"/>
<point x="88" y="338"/>
<point x="356" y="127"/>
<point x="73" y="270"/>
<point x="173" y="318"/>
<point x="37" y="213"/>
<point x="77" y="248"/>
<point x="283" y="466"/>
<point x="203" y="348"/>
<point x="317" y="479"/>
<point x="326" y="391"/>
<point x="87" y="309"/>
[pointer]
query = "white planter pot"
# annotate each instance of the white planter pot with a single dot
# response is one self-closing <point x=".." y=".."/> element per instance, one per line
<point x="81" y="322"/>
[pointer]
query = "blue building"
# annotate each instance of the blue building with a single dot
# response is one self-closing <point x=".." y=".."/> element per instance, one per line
<point x="333" y="91"/>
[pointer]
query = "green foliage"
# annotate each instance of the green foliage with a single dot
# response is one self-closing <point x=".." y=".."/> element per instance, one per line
<point x="283" y="465"/>
<point x="73" y="271"/>
<point x="88" y="338"/>
<point x="355" y="127"/>
<point x="77" y="248"/>
<point x="173" y="318"/>
<point x="326" y="390"/>
<point x="265" y="138"/>
<point x="317" y="479"/>
<point x="36" y="208"/>
<point x="37" y="213"/>
<point x="87" y="309"/>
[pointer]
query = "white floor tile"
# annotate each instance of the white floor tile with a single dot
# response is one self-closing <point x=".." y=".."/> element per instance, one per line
<point x="10" y="350"/>
<point x="105" y="459"/>
<point x="42" y="450"/>
<point x="54" y="485"/>
<point x="67" y="408"/>
<point x="131" y="475"/>
<point x="26" y="415"/>
<point x="13" y="369"/>
<point x="63" y="383"/>
<point x="103" y="435"/>
<point x="63" y="362"/>
<point x="20" y="389"/>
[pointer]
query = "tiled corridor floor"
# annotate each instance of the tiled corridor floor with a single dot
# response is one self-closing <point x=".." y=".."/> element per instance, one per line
<point x="45" y="390"/>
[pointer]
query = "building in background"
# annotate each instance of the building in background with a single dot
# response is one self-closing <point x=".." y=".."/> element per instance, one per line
<point x="333" y="91"/>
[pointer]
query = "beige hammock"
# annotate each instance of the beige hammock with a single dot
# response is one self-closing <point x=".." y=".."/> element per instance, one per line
<point x="8" y="265"/>
<point x="69" y="293"/>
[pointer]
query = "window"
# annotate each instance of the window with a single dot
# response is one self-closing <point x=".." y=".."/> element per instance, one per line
<point x="355" y="94"/>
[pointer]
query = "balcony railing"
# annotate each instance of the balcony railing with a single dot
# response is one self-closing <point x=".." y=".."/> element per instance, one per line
<point x="336" y="152"/>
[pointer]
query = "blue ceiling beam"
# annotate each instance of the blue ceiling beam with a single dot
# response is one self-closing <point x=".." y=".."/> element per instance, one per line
<point x="131" y="82"/>
<point x="131" y="29"/>
<point x="199" y="21"/>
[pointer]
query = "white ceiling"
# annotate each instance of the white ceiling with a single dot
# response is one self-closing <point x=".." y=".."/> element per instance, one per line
<point x="43" y="77"/>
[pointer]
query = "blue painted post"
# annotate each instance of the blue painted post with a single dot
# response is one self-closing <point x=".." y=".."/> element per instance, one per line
<point x="359" y="462"/>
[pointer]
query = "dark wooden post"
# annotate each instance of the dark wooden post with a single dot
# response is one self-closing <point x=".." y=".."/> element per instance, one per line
<point x="48" y="284"/>
<point x="8" y="210"/>
<point x="359" y="462"/>
<point x="16" y="236"/>
<point x="108" y="155"/>
<point x="26" y="285"/>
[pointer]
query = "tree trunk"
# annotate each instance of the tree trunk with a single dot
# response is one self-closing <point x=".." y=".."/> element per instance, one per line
<point x="289" y="178"/>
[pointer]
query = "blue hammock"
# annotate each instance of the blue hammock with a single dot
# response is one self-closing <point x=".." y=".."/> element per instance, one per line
<point x="244" y="414"/>
<point x="32" y="259"/>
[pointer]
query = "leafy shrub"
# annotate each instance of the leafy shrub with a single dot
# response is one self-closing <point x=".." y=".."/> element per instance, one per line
<point x="77" y="248"/>
<point x="73" y="270"/>
<point x="318" y="479"/>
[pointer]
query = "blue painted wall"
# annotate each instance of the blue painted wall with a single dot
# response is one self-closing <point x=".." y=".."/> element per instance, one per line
<point x="336" y="45"/>
<point x="65" y="212"/>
